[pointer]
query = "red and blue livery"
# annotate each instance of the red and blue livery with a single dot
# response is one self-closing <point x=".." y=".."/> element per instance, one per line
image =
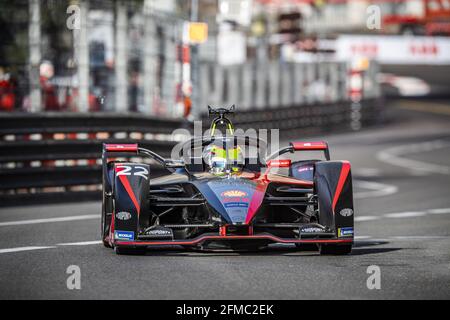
<point x="239" y="203"/>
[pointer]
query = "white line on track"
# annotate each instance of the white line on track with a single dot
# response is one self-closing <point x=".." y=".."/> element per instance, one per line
<point x="439" y="211"/>
<point x="31" y="248"/>
<point x="19" y="249"/>
<point x="49" y="220"/>
<point x="364" y="239"/>
<point x="418" y="237"/>
<point x="407" y="214"/>
<point x="84" y="243"/>
<point x="395" y="156"/>
<point x="358" y="239"/>
<point x="396" y="215"/>
<point x="376" y="189"/>
<point x="367" y="172"/>
<point x="366" y="218"/>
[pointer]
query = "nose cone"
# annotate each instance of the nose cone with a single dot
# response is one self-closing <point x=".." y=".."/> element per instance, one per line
<point x="234" y="197"/>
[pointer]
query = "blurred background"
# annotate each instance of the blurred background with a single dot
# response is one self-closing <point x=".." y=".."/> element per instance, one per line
<point x="146" y="56"/>
<point x="76" y="73"/>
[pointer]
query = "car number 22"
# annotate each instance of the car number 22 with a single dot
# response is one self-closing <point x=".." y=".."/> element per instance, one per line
<point x="124" y="170"/>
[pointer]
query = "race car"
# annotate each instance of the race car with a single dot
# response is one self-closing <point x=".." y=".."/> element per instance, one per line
<point x="218" y="195"/>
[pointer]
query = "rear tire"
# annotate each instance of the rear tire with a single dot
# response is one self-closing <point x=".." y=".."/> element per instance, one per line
<point x="336" y="250"/>
<point x="130" y="251"/>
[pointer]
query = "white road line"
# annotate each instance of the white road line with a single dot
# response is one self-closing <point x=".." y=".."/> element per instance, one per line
<point x="31" y="248"/>
<point x="418" y="237"/>
<point x="378" y="189"/>
<point x="395" y="157"/>
<point x="20" y="249"/>
<point x="439" y="211"/>
<point x="96" y="242"/>
<point x="49" y="220"/>
<point x="396" y="215"/>
<point x="84" y="243"/>
<point x="405" y="214"/>
<point x="362" y="237"/>
<point x="366" y="218"/>
<point x="399" y="215"/>
<point x="367" y="172"/>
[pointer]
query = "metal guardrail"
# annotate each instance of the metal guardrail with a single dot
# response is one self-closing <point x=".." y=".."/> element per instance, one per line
<point x="310" y="119"/>
<point x="57" y="155"/>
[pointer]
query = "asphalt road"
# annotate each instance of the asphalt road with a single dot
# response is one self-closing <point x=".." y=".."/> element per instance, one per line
<point x="402" y="177"/>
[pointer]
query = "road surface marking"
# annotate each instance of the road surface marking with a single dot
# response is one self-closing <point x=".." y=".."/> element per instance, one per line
<point x="367" y="172"/>
<point x="405" y="214"/>
<point x="399" y="215"/>
<point x="396" y="215"/>
<point x="378" y="189"/>
<point x="395" y="156"/>
<point x="439" y="211"/>
<point x="20" y="249"/>
<point x="366" y="218"/>
<point x="418" y="237"/>
<point x="84" y="243"/>
<point x="362" y="237"/>
<point x="49" y="220"/>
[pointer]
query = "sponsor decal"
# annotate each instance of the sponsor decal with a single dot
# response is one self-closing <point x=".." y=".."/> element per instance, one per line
<point x="347" y="212"/>
<point x="235" y="198"/>
<point x="124" y="235"/>
<point x="234" y="194"/>
<point x="236" y="205"/>
<point x="345" y="232"/>
<point x="158" y="232"/>
<point x="303" y="169"/>
<point x="311" y="230"/>
<point x="123" y="215"/>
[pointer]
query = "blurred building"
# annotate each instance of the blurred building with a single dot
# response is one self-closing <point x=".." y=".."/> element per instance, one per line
<point x="104" y="54"/>
<point x="135" y="55"/>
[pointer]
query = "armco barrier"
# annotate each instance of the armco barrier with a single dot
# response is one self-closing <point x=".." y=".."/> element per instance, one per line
<point x="309" y="119"/>
<point x="55" y="156"/>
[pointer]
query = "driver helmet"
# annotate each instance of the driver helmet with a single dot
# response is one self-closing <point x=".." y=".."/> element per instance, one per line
<point x="216" y="159"/>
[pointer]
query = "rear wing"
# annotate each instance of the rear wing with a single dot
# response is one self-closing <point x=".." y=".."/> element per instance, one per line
<point x="302" y="146"/>
<point x="120" y="147"/>
<point x="311" y="146"/>
<point x="117" y="150"/>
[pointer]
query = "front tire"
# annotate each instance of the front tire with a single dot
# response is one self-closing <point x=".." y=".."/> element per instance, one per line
<point x="335" y="250"/>
<point x="106" y="221"/>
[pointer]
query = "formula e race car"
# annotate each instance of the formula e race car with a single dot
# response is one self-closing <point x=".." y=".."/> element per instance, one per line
<point x="224" y="192"/>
